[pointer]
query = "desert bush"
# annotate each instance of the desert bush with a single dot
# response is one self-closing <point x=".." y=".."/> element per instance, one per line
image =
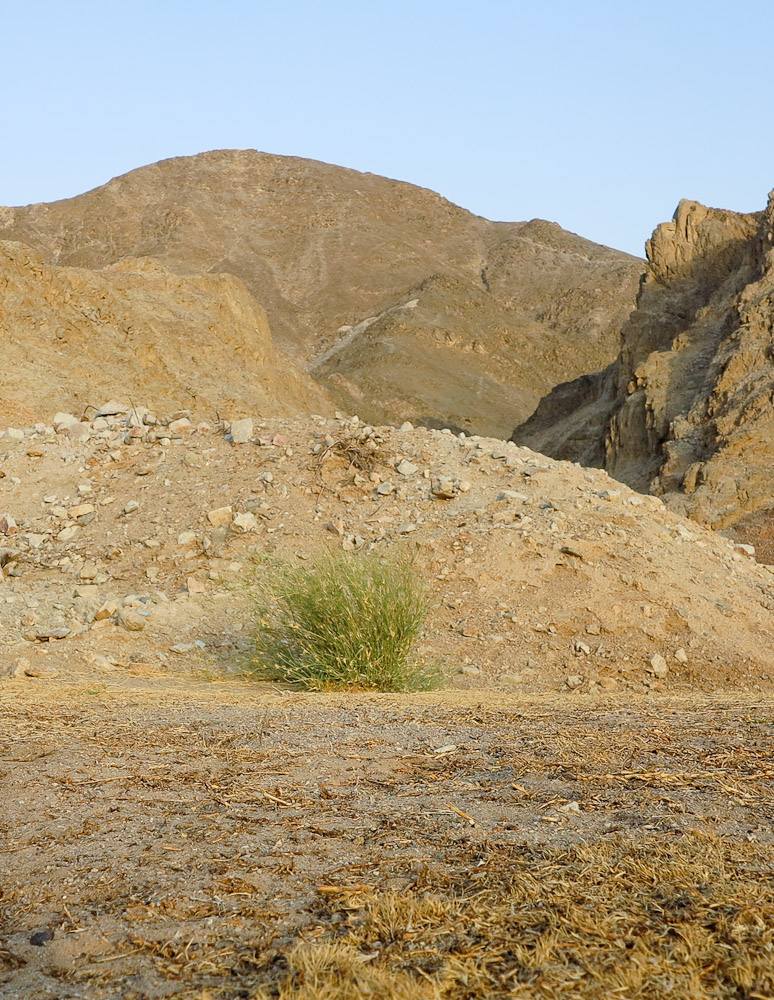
<point x="345" y="621"/>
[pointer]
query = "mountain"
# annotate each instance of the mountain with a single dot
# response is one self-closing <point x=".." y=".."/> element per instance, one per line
<point x="501" y="311"/>
<point x="73" y="337"/>
<point x="687" y="410"/>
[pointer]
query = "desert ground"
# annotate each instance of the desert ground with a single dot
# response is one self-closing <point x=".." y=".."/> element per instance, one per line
<point x="584" y="809"/>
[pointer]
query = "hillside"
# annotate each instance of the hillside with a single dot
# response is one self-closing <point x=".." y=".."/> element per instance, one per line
<point x="687" y="410"/>
<point x="503" y="311"/>
<point x="74" y="337"/>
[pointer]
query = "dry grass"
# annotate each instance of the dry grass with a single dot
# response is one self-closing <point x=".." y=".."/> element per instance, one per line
<point x="687" y="918"/>
<point x="212" y="843"/>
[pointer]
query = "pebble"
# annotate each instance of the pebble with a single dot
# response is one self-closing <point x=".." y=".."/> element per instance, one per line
<point x="657" y="665"/>
<point x="242" y="430"/>
<point x="131" y="620"/>
<point x="681" y="656"/>
<point x="574" y="681"/>
<point x="220" y="516"/>
<point x="406" y="468"/>
<point x="246" y="522"/>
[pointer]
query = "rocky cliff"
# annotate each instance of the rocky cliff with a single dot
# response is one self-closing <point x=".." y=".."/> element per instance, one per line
<point x="687" y="411"/>
<point x="503" y="311"/>
<point x="73" y="337"/>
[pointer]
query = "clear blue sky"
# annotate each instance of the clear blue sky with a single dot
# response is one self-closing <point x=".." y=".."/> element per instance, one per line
<point x="599" y="115"/>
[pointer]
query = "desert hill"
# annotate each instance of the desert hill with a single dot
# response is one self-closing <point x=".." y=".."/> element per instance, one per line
<point x="73" y="337"/>
<point x="543" y="574"/>
<point x="502" y="311"/>
<point x="687" y="410"/>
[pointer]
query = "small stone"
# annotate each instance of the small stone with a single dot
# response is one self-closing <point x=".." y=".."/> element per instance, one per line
<point x="181" y="426"/>
<point x="186" y="538"/>
<point x="131" y="507"/>
<point x="406" y="468"/>
<point x="464" y="486"/>
<point x="195" y="586"/>
<point x="108" y="610"/>
<point x="574" y="681"/>
<point x="112" y="409"/>
<point x="89" y="571"/>
<point x="570" y="808"/>
<point x="266" y="477"/>
<point x="384" y="489"/>
<point x="444" y="488"/>
<point x="241" y="430"/>
<point x="14" y="434"/>
<point x="8" y="525"/>
<point x="47" y="634"/>
<point x="351" y="543"/>
<point x="681" y="656"/>
<point x="406" y="426"/>
<point x="89" y="592"/>
<point x="67" y="534"/>
<point x="470" y="670"/>
<point x="80" y="510"/>
<point x="62" y="420"/>
<point x="39" y="938"/>
<point x="246" y="522"/>
<point x="593" y="629"/>
<point x="130" y="620"/>
<point x="20" y="666"/>
<point x="747" y="550"/>
<point x="580" y="648"/>
<point x="657" y="666"/>
<point x="407" y="528"/>
<point x="608" y="683"/>
<point x="220" y="516"/>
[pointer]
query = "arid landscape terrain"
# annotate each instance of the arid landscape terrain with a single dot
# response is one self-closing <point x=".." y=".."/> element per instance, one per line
<point x="223" y="362"/>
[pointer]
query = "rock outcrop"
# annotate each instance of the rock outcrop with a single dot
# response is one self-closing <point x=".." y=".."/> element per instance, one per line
<point x="687" y="411"/>
<point x="73" y="337"/>
<point x="504" y="310"/>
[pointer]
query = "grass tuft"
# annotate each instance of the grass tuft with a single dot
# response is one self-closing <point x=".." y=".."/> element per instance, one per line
<point x="345" y="622"/>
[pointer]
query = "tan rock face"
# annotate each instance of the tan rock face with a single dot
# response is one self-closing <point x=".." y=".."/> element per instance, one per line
<point x="73" y="337"/>
<point x="688" y="410"/>
<point x="502" y="311"/>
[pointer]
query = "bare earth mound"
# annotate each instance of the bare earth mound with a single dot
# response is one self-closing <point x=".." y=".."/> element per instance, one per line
<point x="687" y="412"/>
<point x="504" y="311"/>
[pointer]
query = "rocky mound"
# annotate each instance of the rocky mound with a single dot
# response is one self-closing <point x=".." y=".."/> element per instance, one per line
<point x="132" y="539"/>
<point x="503" y="311"/>
<point x="73" y="337"/>
<point x="687" y="411"/>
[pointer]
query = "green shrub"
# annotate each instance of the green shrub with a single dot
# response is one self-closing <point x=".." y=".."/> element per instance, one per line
<point x="346" y="621"/>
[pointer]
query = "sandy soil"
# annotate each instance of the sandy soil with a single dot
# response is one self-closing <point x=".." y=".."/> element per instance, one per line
<point x="184" y="837"/>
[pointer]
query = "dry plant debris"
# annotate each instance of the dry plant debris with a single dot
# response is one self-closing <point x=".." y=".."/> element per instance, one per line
<point x="207" y="840"/>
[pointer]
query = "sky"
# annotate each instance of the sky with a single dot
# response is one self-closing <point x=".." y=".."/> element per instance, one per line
<point x="596" y="114"/>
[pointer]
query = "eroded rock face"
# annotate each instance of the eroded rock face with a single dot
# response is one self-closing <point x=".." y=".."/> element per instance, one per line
<point x="73" y="337"/>
<point x="504" y="311"/>
<point x="688" y="411"/>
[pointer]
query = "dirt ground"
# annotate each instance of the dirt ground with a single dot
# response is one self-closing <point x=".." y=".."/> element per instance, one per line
<point x="203" y="838"/>
<point x="584" y="810"/>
